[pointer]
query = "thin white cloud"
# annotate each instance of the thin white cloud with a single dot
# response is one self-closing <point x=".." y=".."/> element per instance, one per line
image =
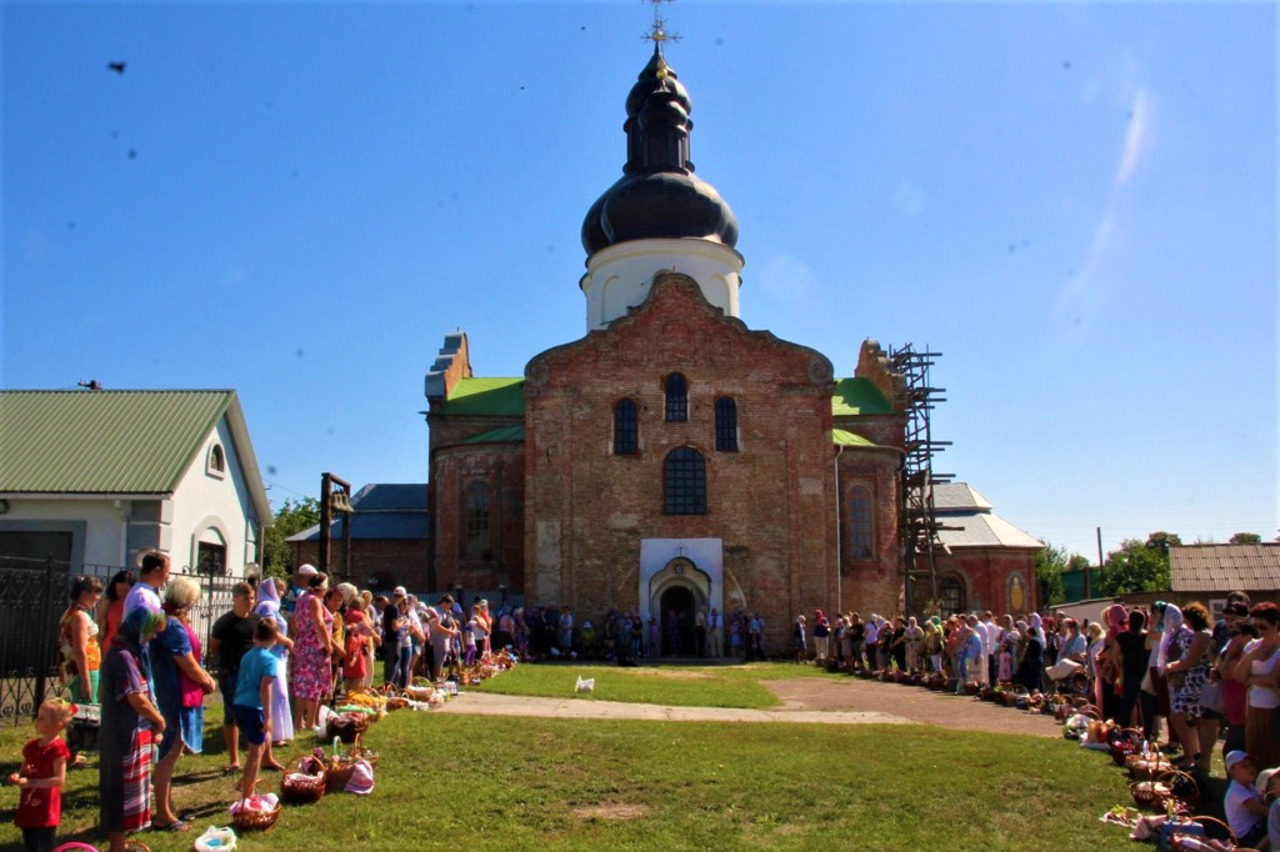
<point x="1137" y="137"/>
<point x="1082" y="286"/>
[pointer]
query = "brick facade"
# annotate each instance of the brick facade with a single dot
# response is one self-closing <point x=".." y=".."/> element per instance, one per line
<point x="375" y="563"/>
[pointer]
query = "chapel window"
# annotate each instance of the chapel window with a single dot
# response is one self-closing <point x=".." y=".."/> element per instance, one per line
<point x="677" y="389"/>
<point x="475" y="515"/>
<point x="217" y="460"/>
<point x="726" y="425"/>
<point x="626" y="432"/>
<point x="861" y="541"/>
<point x="951" y="592"/>
<point x="684" y="482"/>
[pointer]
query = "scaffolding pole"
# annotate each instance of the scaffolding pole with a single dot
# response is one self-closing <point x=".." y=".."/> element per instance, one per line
<point x="917" y="516"/>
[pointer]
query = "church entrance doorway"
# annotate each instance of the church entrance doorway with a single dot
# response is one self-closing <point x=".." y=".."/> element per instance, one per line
<point x="678" y="606"/>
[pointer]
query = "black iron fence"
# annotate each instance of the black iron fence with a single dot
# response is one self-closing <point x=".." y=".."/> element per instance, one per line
<point x="34" y="593"/>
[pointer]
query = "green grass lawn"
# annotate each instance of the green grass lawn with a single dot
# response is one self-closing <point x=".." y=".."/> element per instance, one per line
<point x="521" y="783"/>
<point x="681" y="686"/>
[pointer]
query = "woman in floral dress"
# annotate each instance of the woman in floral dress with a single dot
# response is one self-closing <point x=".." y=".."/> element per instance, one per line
<point x="313" y="651"/>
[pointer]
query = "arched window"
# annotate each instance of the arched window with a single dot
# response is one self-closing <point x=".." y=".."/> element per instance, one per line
<point x="217" y="460"/>
<point x="684" y="482"/>
<point x="861" y="541"/>
<point x="626" y="432"/>
<point x="951" y="591"/>
<point x="677" y="398"/>
<point x="475" y="517"/>
<point x="726" y="425"/>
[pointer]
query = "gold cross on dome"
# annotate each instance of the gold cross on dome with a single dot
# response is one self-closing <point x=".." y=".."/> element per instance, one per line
<point x="658" y="29"/>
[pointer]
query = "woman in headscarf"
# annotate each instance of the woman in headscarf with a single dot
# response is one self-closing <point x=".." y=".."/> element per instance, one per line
<point x="1154" y="697"/>
<point x="1031" y="663"/>
<point x="914" y="637"/>
<point x="281" y="716"/>
<point x="798" y="640"/>
<point x="129" y="727"/>
<point x="933" y="643"/>
<point x="1187" y="675"/>
<point x="314" y="649"/>
<point x="1116" y="618"/>
<point x="821" y="636"/>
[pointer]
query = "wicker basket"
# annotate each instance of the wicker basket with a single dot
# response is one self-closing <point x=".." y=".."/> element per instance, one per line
<point x="246" y="820"/>
<point x="1170" y="786"/>
<point x="1013" y="694"/>
<point x="1178" y="842"/>
<point x="339" y="775"/>
<point x="1128" y="742"/>
<point x="307" y="789"/>
<point x="1148" y="767"/>
<point x="347" y="726"/>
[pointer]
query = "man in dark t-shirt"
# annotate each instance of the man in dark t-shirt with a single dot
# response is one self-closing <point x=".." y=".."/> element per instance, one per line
<point x="229" y="640"/>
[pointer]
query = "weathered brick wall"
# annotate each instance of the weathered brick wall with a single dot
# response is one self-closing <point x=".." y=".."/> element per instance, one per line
<point x="394" y="561"/>
<point x="771" y="503"/>
<point x="875" y="584"/>
<point x="986" y="573"/>
<point x="502" y="467"/>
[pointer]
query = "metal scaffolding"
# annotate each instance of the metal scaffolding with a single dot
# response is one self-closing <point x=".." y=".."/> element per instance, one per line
<point x="917" y="519"/>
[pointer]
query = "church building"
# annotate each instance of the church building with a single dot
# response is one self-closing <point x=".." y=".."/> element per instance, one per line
<point x="672" y="457"/>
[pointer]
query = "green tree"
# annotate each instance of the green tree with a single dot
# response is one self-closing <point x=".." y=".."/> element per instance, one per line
<point x="292" y="517"/>
<point x="1162" y="541"/>
<point x="1078" y="563"/>
<point x="1050" y="562"/>
<point x="1135" y="567"/>
<point x="1245" y="538"/>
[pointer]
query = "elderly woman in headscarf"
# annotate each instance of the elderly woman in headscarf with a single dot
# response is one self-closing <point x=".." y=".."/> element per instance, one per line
<point x="914" y="637"/>
<point x="281" y="717"/>
<point x="1107" y="669"/>
<point x="1030" y="672"/>
<point x="933" y="643"/>
<point x="130" y="726"/>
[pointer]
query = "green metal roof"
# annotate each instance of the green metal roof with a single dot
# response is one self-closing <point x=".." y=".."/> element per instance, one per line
<point x="500" y="397"/>
<point x="858" y="396"/>
<point x="845" y="438"/>
<point x="502" y="435"/>
<point x="93" y="442"/>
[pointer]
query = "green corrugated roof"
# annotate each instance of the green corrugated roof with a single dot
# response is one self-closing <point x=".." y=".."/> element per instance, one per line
<point x="858" y="396"/>
<point x="93" y="442"/>
<point x="845" y="438"/>
<point x="501" y="397"/>
<point x="502" y="435"/>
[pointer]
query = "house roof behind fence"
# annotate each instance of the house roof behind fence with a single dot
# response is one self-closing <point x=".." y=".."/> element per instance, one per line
<point x="115" y="442"/>
<point x="1223" y="567"/>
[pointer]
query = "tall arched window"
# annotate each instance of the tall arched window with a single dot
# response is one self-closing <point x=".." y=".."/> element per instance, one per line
<point x="475" y="518"/>
<point x="677" y="398"/>
<point x="726" y="425"/>
<point x="626" y="432"/>
<point x="684" y="482"/>
<point x="861" y="541"/>
<point x="951" y="591"/>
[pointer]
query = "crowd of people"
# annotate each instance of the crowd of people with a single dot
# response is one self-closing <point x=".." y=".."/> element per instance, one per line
<point x="287" y="647"/>
<point x="1188" y="683"/>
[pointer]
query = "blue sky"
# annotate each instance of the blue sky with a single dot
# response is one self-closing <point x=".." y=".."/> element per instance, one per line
<point x="1075" y="203"/>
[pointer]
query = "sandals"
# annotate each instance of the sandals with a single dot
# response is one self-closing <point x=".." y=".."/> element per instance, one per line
<point x="230" y="770"/>
<point x="177" y="826"/>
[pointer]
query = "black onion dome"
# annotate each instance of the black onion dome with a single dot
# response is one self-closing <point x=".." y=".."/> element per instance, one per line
<point x="658" y="194"/>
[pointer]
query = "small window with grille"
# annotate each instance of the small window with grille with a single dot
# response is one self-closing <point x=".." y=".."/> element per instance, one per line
<point x="726" y="425"/>
<point x="677" y="389"/>
<point x="684" y="481"/>
<point x="626" y="430"/>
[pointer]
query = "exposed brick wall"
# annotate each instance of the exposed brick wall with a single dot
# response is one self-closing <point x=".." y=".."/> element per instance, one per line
<point x="770" y="503"/>
<point x="501" y="466"/>
<point x="874" y="584"/>
<point x="403" y="562"/>
<point x="986" y="572"/>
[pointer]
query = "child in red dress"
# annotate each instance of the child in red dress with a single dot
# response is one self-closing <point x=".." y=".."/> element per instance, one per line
<point x="44" y="769"/>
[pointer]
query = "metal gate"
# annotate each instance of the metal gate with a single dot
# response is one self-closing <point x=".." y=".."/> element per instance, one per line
<point x="33" y="594"/>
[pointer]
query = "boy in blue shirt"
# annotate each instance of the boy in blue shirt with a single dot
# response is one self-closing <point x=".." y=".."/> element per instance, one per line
<point x="252" y="708"/>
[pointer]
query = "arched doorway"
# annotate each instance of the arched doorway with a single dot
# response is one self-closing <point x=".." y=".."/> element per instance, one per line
<point x="677" y="607"/>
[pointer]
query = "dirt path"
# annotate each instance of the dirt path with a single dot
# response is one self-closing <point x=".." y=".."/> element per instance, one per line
<point x="491" y="704"/>
<point x="816" y="700"/>
<point x="807" y="694"/>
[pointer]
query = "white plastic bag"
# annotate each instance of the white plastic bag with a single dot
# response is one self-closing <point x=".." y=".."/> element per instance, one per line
<point x="216" y="840"/>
